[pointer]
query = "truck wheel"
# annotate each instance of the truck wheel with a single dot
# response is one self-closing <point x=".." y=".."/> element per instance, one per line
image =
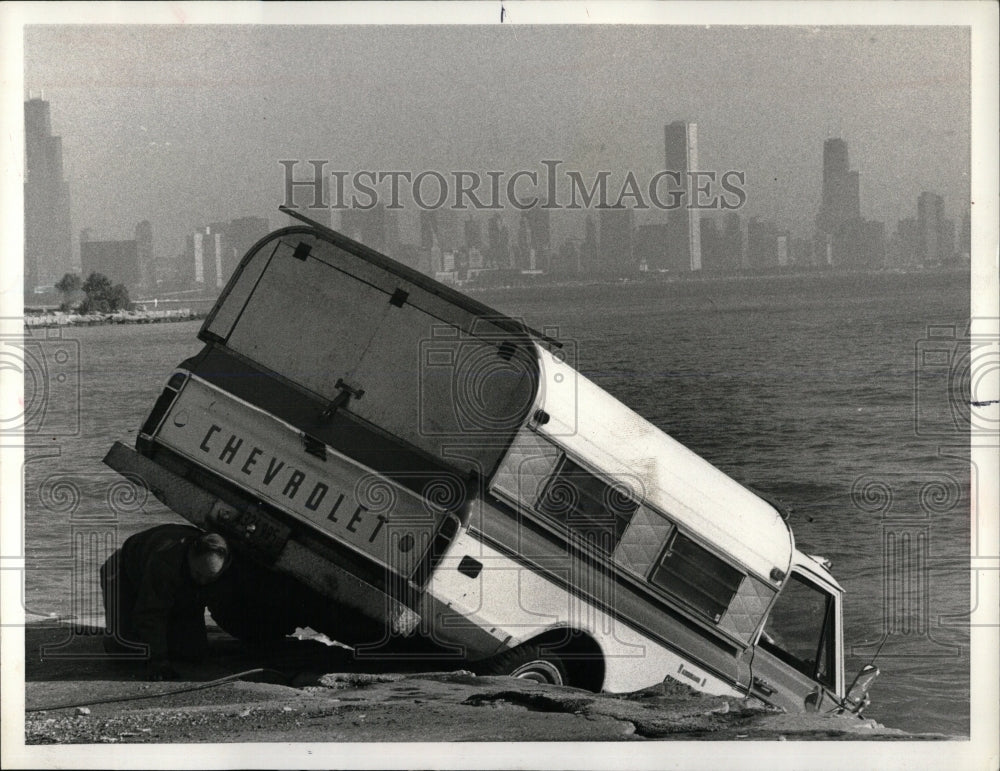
<point x="529" y="663"/>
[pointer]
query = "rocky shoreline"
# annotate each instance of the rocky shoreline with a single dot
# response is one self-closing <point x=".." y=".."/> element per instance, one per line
<point x="59" y="319"/>
<point x="302" y="691"/>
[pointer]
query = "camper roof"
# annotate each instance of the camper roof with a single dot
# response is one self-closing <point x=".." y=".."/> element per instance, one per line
<point x="601" y="431"/>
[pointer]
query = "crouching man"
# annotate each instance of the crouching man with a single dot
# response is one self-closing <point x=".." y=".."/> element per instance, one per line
<point x="156" y="588"/>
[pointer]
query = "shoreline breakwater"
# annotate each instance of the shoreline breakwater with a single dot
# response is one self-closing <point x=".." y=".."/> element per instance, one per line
<point x="60" y="319"/>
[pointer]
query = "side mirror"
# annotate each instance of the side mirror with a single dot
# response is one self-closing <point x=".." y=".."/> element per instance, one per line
<point x="857" y="695"/>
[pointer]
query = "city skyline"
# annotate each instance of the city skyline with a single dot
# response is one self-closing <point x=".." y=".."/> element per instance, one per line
<point x="842" y="237"/>
<point x="150" y="135"/>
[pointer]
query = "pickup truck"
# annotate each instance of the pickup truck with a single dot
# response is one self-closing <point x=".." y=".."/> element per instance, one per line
<point x="400" y="461"/>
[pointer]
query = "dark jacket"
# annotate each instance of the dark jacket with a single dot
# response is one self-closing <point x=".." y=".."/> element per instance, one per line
<point x="154" y="563"/>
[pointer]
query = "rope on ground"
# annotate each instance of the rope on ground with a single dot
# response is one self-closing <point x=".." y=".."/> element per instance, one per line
<point x="158" y="694"/>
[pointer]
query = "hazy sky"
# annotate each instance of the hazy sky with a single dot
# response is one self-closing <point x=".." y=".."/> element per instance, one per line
<point x="185" y="125"/>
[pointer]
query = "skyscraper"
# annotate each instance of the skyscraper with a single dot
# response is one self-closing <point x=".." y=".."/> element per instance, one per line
<point x="762" y="244"/>
<point x="589" y="249"/>
<point x="473" y="233"/>
<point x="522" y="245"/>
<point x="843" y="238"/>
<point x="368" y="226"/>
<point x="539" y="236"/>
<point x="732" y="242"/>
<point x="429" y="235"/>
<point x="711" y="244"/>
<point x="906" y="243"/>
<point x="48" y="250"/>
<point x="965" y="236"/>
<point x="681" y="144"/>
<point x="206" y="250"/>
<point x="242" y="233"/>
<point x="650" y="248"/>
<point x="936" y="234"/>
<point x="841" y="188"/>
<point x="144" y="245"/>
<point x="116" y="260"/>
<point x="215" y="250"/>
<point x="616" y="253"/>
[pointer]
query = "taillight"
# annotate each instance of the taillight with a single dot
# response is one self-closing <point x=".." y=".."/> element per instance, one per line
<point x="439" y="547"/>
<point x="163" y="403"/>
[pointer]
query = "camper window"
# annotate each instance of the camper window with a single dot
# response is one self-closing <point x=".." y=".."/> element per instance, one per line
<point x="588" y="506"/>
<point x="799" y="629"/>
<point x="696" y="576"/>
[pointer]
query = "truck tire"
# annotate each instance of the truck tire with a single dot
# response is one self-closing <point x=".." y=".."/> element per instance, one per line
<point x="529" y="663"/>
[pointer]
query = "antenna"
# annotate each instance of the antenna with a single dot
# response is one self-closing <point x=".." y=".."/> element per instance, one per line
<point x="878" y="651"/>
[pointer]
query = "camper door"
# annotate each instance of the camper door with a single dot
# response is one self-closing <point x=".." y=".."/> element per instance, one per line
<point x="360" y="337"/>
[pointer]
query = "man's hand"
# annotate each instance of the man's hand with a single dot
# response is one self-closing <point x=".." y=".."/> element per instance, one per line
<point x="157" y="672"/>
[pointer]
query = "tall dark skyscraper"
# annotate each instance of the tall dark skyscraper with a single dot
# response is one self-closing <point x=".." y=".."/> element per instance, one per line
<point x="48" y="250"/>
<point x="843" y="238"/>
<point x="683" y="223"/>
<point x="841" y="188"/>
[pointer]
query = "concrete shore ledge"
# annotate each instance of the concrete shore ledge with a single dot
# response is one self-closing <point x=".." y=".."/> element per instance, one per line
<point x="302" y="691"/>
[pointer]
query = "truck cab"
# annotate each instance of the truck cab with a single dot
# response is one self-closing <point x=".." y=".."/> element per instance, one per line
<point x="800" y="648"/>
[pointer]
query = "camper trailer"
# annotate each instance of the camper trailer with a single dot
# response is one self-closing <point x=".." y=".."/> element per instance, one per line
<point x="430" y="468"/>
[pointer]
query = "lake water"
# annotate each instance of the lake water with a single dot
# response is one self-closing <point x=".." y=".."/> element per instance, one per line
<point x="814" y="391"/>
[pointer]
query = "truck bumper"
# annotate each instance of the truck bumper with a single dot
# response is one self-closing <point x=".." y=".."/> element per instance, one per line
<point x="209" y="511"/>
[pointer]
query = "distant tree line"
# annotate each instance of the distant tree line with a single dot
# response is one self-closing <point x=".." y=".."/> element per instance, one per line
<point x="95" y="295"/>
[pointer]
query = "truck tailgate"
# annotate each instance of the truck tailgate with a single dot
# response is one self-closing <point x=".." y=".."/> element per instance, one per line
<point x="313" y="483"/>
